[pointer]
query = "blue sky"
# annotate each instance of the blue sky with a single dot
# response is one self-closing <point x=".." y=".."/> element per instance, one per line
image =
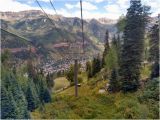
<point x="71" y="8"/>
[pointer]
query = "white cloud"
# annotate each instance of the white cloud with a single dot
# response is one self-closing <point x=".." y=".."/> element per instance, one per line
<point x="90" y="15"/>
<point x="69" y="6"/>
<point x="86" y="6"/>
<point x="44" y="0"/>
<point x="96" y="15"/>
<point x="96" y="1"/>
<point x="64" y="12"/>
<point x="12" y="5"/>
<point x="155" y="6"/>
<point x="112" y="10"/>
<point x="123" y="4"/>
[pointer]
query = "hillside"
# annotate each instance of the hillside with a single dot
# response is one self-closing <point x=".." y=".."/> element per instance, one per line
<point x="91" y="103"/>
<point x="34" y="26"/>
<point x="80" y="67"/>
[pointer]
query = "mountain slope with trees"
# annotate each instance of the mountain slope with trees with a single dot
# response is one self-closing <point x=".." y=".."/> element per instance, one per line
<point x="120" y="83"/>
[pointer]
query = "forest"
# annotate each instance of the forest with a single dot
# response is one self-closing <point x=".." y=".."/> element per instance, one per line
<point x="122" y="82"/>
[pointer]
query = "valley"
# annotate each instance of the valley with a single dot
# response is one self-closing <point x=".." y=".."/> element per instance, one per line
<point x="84" y="59"/>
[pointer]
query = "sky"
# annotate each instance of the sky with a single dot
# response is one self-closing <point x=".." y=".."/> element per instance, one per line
<point x="111" y="9"/>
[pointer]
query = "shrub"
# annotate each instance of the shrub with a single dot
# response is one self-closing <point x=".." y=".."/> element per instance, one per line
<point x="151" y="91"/>
<point x="70" y="74"/>
<point x="150" y="96"/>
<point x="80" y="79"/>
<point x="131" y="109"/>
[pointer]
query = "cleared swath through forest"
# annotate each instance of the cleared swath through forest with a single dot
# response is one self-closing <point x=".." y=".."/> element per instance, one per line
<point x="76" y="54"/>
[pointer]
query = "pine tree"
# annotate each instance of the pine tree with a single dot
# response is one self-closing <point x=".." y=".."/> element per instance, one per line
<point x="154" y="43"/>
<point x="8" y="107"/>
<point x="30" y="99"/>
<point x="47" y="96"/>
<point x="5" y="56"/>
<point x="99" y="63"/>
<point x="94" y="69"/>
<point x="50" y="82"/>
<point x="116" y="44"/>
<point x="155" y="70"/>
<point x="119" y="42"/>
<point x="111" y="60"/>
<point x="89" y="69"/>
<point x="96" y="65"/>
<point x="114" y="41"/>
<point x="106" y="47"/>
<point x="154" y="50"/>
<point x="119" y="49"/>
<point x="131" y="58"/>
<point x="15" y="93"/>
<point x="121" y="23"/>
<point x="114" y="83"/>
<point x="32" y="96"/>
<point x="18" y="95"/>
<point x="44" y="94"/>
<point x="31" y="71"/>
<point x="70" y="74"/>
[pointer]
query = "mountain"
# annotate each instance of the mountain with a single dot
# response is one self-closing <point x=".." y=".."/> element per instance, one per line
<point x="64" y="34"/>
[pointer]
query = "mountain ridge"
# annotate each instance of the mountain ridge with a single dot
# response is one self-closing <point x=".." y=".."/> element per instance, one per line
<point x="35" y="26"/>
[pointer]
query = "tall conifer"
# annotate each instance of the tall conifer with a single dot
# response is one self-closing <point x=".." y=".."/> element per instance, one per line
<point x="154" y="50"/>
<point x="106" y="47"/>
<point x="131" y="58"/>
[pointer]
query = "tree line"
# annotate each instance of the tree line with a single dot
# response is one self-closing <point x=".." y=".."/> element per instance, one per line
<point x="123" y="57"/>
<point x="23" y="90"/>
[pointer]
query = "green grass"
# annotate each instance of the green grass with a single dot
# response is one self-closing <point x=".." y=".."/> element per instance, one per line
<point x="90" y="104"/>
<point x="60" y="82"/>
<point x="145" y="72"/>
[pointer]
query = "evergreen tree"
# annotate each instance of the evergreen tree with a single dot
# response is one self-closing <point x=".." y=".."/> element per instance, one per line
<point x="154" y="50"/>
<point x="15" y="93"/>
<point x="131" y="58"/>
<point x="8" y="107"/>
<point x="50" y="82"/>
<point x="96" y="65"/>
<point x="155" y="70"/>
<point x="5" y="56"/>
<point x="114" y="41"/>
<point x="116" y="44"/>
<point x="46" y="96"/>
<point x="121" y="23"/>
<point x="106" y="47"/>
<point x="119" y="42"/>
<point x="111" y="60"/>
<point x="154" y="43"/>
<point x="18" y="95"/>
<point x="114" y="83"/>
<point x="31" y="71"/>
<point x="30" y="99"/>
<point x="119" y="48"/>
<point x="32" y="96"/>
<point x="89" y="69"/>
<point x="70" y="74"/>
<point x="94" y="69"/>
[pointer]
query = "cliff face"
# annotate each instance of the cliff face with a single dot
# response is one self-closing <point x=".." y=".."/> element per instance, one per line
<point x="11" y="16"/>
